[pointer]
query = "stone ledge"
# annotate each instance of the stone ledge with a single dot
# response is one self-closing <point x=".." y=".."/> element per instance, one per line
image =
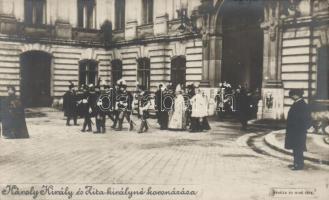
<point x="272" y="142"/>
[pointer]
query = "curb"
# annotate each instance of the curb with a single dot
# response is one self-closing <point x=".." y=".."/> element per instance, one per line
<point x="326" y="140"/>
<point x="272" y="142"/>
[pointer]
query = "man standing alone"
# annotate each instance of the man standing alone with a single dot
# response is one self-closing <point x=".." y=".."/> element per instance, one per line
<point x="70" y="105"/>
<point x="298" y="122"/>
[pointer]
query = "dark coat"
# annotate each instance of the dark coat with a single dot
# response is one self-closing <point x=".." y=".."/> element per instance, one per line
<point x="13" y="118"/>
<point x="70" y="104"/>
<point x="157" y="101"/>
<point x="298" y="121"/>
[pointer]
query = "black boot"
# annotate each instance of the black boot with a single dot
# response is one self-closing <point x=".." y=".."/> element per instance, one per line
<point x="141" y="127"/>
<point x="146" y="126"/>
<point x="120" y="126"/>
<point x="131" y="126"/>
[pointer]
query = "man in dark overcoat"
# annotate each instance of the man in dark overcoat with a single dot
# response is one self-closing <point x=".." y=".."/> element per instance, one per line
<point x="13" y="116"/>
<point x="242" y="107"/>
<point x="298" y="122"/>
<point x="157" y="102"/>
<point x="70" y="105"/>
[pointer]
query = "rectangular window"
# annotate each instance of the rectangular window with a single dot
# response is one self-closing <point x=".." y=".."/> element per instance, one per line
<point x="116" y="70"/>
<point x="143" y="74"/>
<point x="120" y="12"/>
<point x="86" y="14"/>
<point x="147" y="11"/>
<point x="88" y="72"/>
<point x="35" y="11"/>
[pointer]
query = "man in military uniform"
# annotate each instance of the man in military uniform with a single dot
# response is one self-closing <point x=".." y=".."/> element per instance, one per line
<point x="99" y="111"/>
<point x="70" y="105"/>
<point x="124" y="104"/>
<point x="144" y="104"/>
<point x="86" y="109"/>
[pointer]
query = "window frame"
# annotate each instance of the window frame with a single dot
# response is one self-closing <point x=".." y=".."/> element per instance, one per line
<point x="144" y="72"/>
<point x="119" y="14"/>
<point x="86" y="11"/>
<point x="116" y="69"/>
<point x="177" y="69"/>
<point x="33" y="15"/>
<point x="147" y="12"/>
<point x="87" y="71"/>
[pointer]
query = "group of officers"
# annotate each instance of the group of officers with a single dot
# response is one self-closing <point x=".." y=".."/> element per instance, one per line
<point x="102" y="101"/>
<point x="98" y="102"/>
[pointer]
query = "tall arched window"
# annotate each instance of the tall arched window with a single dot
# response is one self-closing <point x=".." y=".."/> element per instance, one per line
<point x="120" y="12"/>
<point x="147" y="11"/>
<point x="116" y="70"/>
<point x="178" y="70"/>
<point x="88" y="72"/>
<point x="143" y="72"/>
<point x="86" y="14"/>
<point x="35" y="11"/>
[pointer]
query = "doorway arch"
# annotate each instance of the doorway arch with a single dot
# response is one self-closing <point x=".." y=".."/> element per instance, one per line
<point x="35" y="80"/>
<point x="238" y="42"/>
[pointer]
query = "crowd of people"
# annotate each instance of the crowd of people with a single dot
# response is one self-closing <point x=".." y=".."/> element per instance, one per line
<point x="240" y="102"/>
<point x="176" y="108"/>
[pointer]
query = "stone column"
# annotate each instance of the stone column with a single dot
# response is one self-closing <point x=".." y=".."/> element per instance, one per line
<point x="209" y="42"/>
<point x="8" y="21"/>
<point x="271" y="105"/>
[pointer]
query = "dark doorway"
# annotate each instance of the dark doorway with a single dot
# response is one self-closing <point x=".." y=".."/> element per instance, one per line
<point x="323" y="73"/>
<point x="242" y="43"/>
<point x="178" y="71"/>
<point x="35" y="79"/>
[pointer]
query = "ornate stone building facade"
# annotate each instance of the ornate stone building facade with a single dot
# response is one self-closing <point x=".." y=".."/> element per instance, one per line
<point x="272" y="45"/>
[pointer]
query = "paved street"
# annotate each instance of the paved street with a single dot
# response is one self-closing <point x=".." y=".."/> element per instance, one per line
<point x="216" y="161"/>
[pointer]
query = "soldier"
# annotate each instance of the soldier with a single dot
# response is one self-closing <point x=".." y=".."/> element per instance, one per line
<point x="115" y="111"/>
<point x="70" y="105"/>
<point x="144" y="104"/>
<point x="99" y="112"/>
<point x="124" y="103"/>
<point x="79" y="97"/>
<point x="86" y="109"/>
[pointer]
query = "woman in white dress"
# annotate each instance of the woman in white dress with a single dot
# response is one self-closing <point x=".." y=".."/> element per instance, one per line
<point x="178" y="118"/>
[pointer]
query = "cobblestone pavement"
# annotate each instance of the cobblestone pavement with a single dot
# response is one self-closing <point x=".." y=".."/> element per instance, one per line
<point x="213" y="161"/>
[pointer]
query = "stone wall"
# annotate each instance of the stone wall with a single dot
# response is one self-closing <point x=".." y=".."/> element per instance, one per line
<point x="64" y="68"/>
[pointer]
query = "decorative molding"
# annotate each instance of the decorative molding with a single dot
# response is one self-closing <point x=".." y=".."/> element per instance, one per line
<point x="36" y="47"/>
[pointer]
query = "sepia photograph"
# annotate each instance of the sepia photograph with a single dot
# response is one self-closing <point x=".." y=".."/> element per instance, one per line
<point x="164" y="99"/>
